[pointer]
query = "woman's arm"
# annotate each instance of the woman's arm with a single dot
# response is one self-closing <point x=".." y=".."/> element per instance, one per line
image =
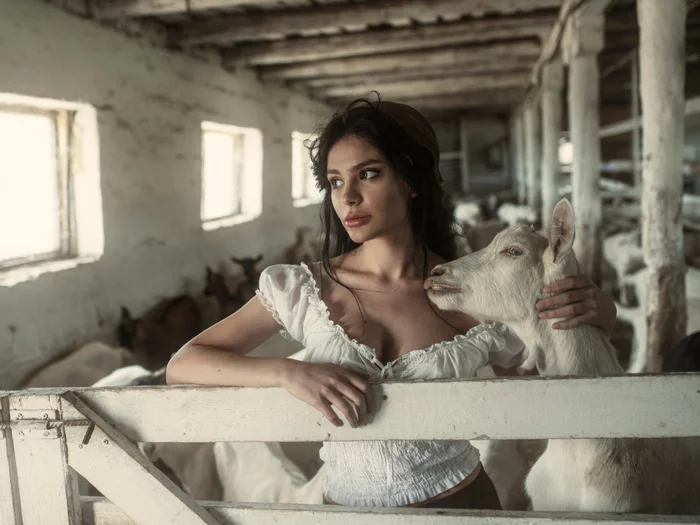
<point x="217" y="356"/>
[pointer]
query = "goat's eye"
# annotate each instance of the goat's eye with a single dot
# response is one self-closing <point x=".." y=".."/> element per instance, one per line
<point x="513" y="251"/>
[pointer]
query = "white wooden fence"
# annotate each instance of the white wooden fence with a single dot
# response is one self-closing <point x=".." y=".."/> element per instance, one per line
<point x="48" y="435"/>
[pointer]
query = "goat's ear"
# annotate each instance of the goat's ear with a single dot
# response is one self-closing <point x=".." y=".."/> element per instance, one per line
<point x="562" y="231"/>
<point x="237" y="261"/>
<point x="258" y="258"/>
<point x="126" y="315"/>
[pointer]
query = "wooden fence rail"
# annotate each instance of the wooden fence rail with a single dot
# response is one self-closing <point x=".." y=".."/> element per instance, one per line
<point x="46" y="435"/>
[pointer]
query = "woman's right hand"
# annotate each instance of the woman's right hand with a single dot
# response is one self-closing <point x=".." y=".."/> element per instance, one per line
<point x="323" y="385"/>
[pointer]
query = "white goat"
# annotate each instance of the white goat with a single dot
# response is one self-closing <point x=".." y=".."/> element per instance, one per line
<point x="480" y="236"/>
<point x="261" y="473"/>
<point x="624" y="253"/>
<point x="468" y="213"/>
<point x="81" y="367"/>
<point x="513" y="214"/>
<point x="502" y="283"/>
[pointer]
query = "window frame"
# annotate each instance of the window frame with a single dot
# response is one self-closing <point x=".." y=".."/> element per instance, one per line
<point x="246" y="167"/>
<point x="62" y="121"/>
<point x="299" y="140"/>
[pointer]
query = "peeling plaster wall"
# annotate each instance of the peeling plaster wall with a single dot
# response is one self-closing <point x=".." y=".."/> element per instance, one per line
<point x="150" y="105"/>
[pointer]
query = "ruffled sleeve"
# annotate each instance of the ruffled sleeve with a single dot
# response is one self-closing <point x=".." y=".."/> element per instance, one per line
<point x="283" y="289"/>
<point x="507" y="349"/>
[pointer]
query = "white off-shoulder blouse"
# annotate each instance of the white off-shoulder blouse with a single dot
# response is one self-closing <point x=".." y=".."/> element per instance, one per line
<point x="384" y="473"/>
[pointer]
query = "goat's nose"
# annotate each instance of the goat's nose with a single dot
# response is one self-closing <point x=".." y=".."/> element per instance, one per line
<point x="438" y="270"/>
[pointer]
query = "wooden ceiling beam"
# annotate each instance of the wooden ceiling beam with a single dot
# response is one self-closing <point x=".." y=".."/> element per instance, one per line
<point x="394" y="62"/>
<point x="453" y="70"/>
<point x="431" y="87"/>
<point x="476" y="100"/>
<point x="391" y="40"/>
<point x="273" y="24"/>
<point x="111" y="9"/>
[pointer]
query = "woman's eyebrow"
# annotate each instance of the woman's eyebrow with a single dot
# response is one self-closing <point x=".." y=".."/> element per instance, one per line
<point x="359" y="166"/>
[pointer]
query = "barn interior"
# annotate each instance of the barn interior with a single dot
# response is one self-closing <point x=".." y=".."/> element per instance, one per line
<point x="154" y="155"/>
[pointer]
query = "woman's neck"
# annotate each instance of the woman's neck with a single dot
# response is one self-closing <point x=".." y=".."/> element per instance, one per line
<point x="390" y="260"/>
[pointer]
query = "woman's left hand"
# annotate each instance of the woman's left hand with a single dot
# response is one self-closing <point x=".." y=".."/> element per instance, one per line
<point x="578" y="298"/>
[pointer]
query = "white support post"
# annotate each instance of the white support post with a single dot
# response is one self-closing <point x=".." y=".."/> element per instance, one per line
<point x="532" y="152"/>
<point x="116" y="467"/>
<point x="48" y="490"/>
<point x="662" y="72"/>
<point x="464" y="153"/>
<point x="519" y="160"/>
<point x="552" y="84"/>
<point x="634" y="115"/>
<point x="583" y="40"/>
<point x="9" y="499"/>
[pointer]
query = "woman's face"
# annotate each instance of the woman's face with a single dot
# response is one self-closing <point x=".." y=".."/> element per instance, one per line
<point x="367" y="194"/>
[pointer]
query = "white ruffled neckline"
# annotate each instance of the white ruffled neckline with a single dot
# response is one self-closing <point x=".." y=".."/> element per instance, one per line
<point x="321" y="306"/>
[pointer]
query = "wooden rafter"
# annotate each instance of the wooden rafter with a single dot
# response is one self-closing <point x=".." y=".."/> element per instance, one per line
<point x="262" y="25"/>
<point x="457" y="70"/>
<point x="431" y="87"/>
<point x="393" y="62"/>
<point x="489" y="101"/>
<point x="139" y="8"/>
<point x="391" y="40"/>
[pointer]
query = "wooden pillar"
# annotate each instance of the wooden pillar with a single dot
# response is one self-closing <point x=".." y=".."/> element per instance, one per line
<point x="583" y="40"/>
<point x="662" y="73"/>
<point x="464" y="153"/>
<point x="634" y="115"/>
<point x="532" y="155"/>
<point x="519" y="137"/>
<point x="552" y="84"/>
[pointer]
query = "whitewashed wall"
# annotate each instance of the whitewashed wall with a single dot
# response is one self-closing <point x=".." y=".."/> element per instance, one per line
<point x="150" y="105"/>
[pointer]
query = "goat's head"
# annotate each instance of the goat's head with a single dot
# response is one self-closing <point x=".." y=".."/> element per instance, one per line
<point x="133" y="334"/>
<point x="126" y="329"/>
<point x="215" y="284"/>
<point x="249" y="265"/>
<point x="503" y="281"/>
<point x="303" y="234"/>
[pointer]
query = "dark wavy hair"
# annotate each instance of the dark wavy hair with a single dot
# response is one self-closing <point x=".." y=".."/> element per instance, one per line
<point x="431" y="222"/>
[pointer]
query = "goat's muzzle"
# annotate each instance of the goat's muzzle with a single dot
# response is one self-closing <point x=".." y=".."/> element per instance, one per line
<point x="434" y="286"/>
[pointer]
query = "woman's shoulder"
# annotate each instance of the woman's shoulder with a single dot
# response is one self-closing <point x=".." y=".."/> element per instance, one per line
<point x="285" y="276"/>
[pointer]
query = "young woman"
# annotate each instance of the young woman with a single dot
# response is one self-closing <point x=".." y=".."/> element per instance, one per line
<point x="362" y="313"/>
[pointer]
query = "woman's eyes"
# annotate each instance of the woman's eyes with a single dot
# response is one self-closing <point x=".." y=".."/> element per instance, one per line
<point x="369" y="174"/>
<point x="364" y="175"/>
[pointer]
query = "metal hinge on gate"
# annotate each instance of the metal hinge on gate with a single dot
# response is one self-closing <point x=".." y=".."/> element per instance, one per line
<point x="41" y="424"/>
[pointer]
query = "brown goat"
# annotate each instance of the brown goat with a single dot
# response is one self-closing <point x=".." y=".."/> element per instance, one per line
<point x="246" y="289"/>
<point x="217" y="288"/>
<point x="161" y="332"/>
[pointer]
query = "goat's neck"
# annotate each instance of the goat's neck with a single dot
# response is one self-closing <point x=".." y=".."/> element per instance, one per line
<point x="223" y="295"/>
<point x="580" y="351"/>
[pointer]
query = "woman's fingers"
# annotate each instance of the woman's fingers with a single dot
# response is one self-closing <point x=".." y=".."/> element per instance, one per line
<point x="325" y="408"/>
<point x="568" y="283"/>
<point x="365" y="389"/>
<point x="357" y="398"/>
<point x="579" y="308"/>
<point x="345" y="407"/>
<point x="572" y="296"/>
